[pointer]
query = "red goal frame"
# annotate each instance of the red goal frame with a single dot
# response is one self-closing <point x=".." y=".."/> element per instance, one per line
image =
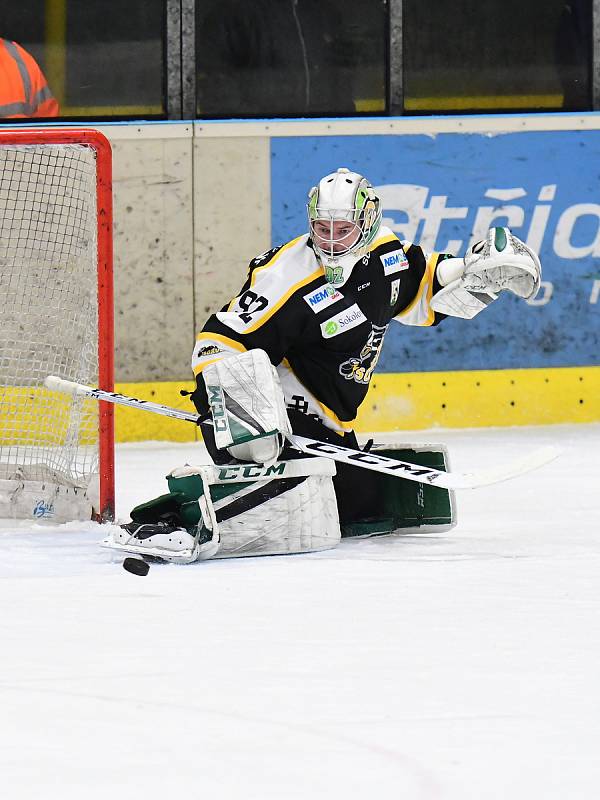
<point x="100" y="144"/>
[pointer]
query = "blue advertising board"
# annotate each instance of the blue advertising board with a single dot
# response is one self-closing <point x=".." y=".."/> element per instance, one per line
<point x="443" y="192"/>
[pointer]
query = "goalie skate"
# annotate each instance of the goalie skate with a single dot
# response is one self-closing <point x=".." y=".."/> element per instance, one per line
<point x="161" y="541"/>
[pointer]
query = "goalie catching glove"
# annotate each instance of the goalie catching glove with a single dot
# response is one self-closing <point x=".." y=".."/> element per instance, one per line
<point x="500" y="261"/>
<point x="247" y="406"/>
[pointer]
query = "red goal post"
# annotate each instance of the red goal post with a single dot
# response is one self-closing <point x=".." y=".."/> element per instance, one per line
<point x="56" y="275"/>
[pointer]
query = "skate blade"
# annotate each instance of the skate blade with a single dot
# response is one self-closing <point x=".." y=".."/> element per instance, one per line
<point x="159" y="553"/>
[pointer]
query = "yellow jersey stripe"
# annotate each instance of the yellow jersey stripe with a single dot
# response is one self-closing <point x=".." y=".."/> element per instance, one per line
<point x="274" y="259"/>
<point x="259" y="322"/>
<point x="217" y="337"/>
<point x="346" y="426"/>
<point x="425" y="287"/>
<point x="198" y="369"/>
<point x="269" y="263"/>
<point x="384" y="240"/>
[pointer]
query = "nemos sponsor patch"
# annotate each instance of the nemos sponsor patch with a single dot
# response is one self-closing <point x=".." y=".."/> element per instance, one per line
<point x="323" y="297"/>
<point x="395" y="261"/>
<point x="342" y="322"/>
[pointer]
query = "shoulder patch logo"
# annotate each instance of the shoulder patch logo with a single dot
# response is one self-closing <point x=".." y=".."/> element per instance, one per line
<point x="342" y="322"/>
<point x="323" y="297"/>
<point x="395" y="291"/>
<point x="208" y="350"/>
<point x="395" y="261"/>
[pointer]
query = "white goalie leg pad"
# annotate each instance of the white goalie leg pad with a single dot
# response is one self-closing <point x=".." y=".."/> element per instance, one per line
<point x="287" y="507"/>
<point x="247" y="406"/>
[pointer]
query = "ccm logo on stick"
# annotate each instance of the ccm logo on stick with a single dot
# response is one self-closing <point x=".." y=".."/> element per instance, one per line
<point x="372" y="458"/>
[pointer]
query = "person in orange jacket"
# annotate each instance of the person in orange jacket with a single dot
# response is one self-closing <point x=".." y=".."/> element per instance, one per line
<point x="24" y="91"/>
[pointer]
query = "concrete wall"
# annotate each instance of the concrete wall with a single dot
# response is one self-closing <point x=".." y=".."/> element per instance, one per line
<point x="189" y="214"/>
<point x="232" y="214"/>
<point x="153" y="189"/>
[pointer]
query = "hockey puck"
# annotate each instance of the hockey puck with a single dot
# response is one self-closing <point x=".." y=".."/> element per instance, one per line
<point x="136" y="566"/>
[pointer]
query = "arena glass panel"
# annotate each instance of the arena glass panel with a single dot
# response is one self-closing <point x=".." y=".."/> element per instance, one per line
<point x="283" y="58"/>
<point x="501" y="55"/>
<point x="99" y="60"/>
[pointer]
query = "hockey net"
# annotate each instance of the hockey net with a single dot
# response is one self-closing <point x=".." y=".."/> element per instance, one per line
<point x="56" y="451"/>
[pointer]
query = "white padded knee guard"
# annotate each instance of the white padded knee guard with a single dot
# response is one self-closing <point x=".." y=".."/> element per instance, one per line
<point x="247" y="406"/>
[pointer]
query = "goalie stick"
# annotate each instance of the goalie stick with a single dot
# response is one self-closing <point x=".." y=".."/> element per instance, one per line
<point x="347" y="455"/>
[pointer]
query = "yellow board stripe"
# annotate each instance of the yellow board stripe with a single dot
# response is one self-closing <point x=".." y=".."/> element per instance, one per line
<point x="133" y="425"/>
<point x="491" y="101"/>
<point x="481" y="398"/>
<point x="416" y="401"/>
<point x="408" y="402"/>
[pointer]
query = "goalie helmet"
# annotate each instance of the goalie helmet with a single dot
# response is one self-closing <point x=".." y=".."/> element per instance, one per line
<point x="344" y="215"/>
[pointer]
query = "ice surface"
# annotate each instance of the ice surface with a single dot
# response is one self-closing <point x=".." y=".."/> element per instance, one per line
<point x="457" y="666"/>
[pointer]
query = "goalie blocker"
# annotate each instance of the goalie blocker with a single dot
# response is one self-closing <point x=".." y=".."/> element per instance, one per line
<point x="290" y="506"/>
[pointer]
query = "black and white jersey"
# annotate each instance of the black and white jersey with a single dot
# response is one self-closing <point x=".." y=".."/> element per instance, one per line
<point x="325" y="341"/>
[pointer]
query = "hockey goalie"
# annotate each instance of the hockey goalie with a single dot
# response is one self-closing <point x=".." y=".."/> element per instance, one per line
<point x="295" y="351"/>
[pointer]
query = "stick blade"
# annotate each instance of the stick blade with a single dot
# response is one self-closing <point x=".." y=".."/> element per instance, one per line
<point x="504" y="472"/>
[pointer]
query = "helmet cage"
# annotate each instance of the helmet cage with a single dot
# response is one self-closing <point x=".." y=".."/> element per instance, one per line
<point x="334" y="233"/>
<point x="365" y="213"/>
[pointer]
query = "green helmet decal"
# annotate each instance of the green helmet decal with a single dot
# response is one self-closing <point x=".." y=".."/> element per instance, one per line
<point x="499" y="238"/>
<point x="312" y="203"/>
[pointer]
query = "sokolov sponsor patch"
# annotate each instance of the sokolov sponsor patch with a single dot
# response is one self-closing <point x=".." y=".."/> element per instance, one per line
<point x="323" y="297"/>
<point x="395" y="261"/>
<point x="342" y="322"/>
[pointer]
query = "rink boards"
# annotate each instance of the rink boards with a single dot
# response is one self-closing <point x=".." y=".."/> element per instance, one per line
<point x="195" y="201"/>
<point x="443" y="182"/>
<point x="419" y="400"/>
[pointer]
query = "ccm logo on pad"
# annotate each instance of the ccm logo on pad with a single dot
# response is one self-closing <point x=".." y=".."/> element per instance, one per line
<point x="395" y="261"/>
<point x="344" y="321"/>
<point x="323" y="297"/>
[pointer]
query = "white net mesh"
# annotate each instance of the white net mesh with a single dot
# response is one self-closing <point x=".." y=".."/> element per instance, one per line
<point x="49" y="318"/>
